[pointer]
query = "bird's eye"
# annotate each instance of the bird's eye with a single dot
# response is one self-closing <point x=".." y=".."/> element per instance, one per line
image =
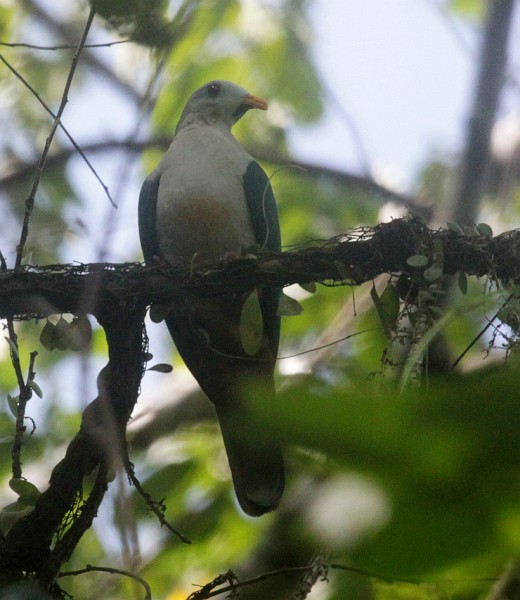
<point x="213" y="90"/>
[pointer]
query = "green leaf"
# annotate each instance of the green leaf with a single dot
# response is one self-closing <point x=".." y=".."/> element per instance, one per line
<point x="433" y="273"/>
<point x="418" y="260"/>
<point x="36" y="388"/>
<point x="12" y="402"/>
<point x="47" y="336"/>
<point x="455" y="227"/>
<point x="485" y="229"/>
<point x="13" y="347"/>
<point x="79" y="333"/>
<point x="6" y="439"/>
<point x="161" y="368"/>
<point x="288" y="307"/>
<point x="387" y="307"/>
<point x="14" y="507"/>
<point x="159" y="312"/>
<point x="61" y="332"/>
<point x="310" y="287"/>
<point x="251" y="324"/>
<point x="462" y="282"/>
<point x="25" y="488"/>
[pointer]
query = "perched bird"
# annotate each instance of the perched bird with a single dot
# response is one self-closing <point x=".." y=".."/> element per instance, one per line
<point x="208" y="199"/>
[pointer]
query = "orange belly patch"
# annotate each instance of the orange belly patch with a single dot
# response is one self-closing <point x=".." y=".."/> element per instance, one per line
<point x="206" y="229"/>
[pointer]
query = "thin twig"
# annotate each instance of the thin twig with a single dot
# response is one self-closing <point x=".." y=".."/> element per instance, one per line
<point x="29" y="203"/>
<point x="112" y="571"/>
<point x="208" y="590"/>
<point x="76" y="146"/>
<point x="62" y="46"/>
<point x="338" y="341"/>
<point x="479" y="335"/>
<point x="156" y="507"/>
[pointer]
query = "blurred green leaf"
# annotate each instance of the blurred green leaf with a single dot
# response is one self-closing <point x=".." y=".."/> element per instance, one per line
<point x="433" y="273"/>
<point x="462" y="282"/>
<point x="387" y="306"/>
<point x="444" y="455"/>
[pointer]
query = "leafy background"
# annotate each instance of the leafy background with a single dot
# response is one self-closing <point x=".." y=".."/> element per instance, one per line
<point x="415" y="491"/>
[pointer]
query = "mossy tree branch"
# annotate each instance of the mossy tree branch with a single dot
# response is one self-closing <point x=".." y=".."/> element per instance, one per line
<point x="118" y="294"/>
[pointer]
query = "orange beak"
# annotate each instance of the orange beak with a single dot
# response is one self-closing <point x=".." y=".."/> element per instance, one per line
<point x="255" y="102"/>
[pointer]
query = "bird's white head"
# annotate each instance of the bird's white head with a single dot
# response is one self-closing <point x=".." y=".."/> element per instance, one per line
<point x="219" y="102"/>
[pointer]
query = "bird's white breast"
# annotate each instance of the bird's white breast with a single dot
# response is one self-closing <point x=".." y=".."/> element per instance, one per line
<point x="201" y="206"/>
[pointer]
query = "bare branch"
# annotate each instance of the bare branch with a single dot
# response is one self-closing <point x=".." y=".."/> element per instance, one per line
<point x="62" y="46"/>
<point x="63" y="128"/>
<point x="112" y="571"/>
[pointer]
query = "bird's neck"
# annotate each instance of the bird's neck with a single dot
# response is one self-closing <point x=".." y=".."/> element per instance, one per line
<point x="204" y="121"/>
